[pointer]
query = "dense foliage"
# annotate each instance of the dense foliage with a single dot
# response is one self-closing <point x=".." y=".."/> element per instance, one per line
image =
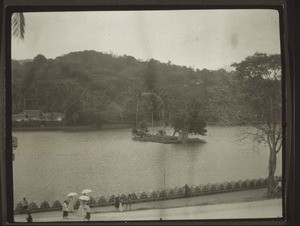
<point x="90" y="87"/>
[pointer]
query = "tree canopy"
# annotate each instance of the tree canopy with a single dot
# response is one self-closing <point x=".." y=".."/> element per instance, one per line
<point x="260" y="98"/>
<point x="87" y="82"/>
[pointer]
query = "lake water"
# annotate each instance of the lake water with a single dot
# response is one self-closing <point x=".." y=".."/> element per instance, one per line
<point x="48" y="165"/>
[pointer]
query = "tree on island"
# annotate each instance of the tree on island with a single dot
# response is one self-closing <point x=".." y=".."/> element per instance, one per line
<point x="150" y="84"/>
<point x="188" y="119"/>
<point x="260" y="101"/>
<point x="163" y="103"/>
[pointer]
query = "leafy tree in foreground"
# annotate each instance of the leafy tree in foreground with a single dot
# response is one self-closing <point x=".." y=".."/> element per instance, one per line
<point x="260" y="101"/>
<point x="18" y="25"/>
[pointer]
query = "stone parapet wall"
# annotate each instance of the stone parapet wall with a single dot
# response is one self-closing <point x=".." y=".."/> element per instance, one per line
<point x="165" y="194"/>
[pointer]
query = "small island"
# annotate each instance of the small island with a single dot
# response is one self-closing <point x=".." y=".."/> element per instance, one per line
<point x="167" y="139"/>
<point x="183" y="120"/>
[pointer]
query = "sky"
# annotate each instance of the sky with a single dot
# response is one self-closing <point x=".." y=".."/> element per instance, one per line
<point x="210" y="39"/>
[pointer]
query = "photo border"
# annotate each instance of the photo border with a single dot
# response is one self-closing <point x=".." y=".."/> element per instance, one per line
<point x="6" y="175"/>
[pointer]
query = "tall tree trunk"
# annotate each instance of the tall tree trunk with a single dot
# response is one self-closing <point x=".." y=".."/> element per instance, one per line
<point x="272" y="167"/>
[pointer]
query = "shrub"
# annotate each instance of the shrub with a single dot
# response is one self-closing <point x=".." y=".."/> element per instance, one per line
<point x="154" y="195"/>
<point x="133" y="196"/>
<point x="217" y="186"/>
<point x="205" y="188"/>
<point x="57" y="205"/>
<point x="244" y="184"/>
<point x="92" y="201"/>
<point x="212" y="188"/>
<point x="193" y="190"/>
<point x="247" y="182"/>
<point x="187" y="190"/>
<point x="228" y="186"/>
<point x="102" y="199"/>
<point x="222" y="187"/>
<point x="199" y="189"/>
<point x="19" y="207"/>
<point x="251" y="184"/>
<point x="255" y="182"/>
<point x="240" y="183"/>
<point x="112" y="198"/>
<point x="162" y="194"/>
<point x="232" y="183"/>
<point x="263" y="181"/>
<point x="33" y="206"/>
<point x="144" y="195"/>
<point x="171" y="193"/>
<point x="123" y="196"/>
<point x="181" y="191"/>
<point x="44" y="205"/>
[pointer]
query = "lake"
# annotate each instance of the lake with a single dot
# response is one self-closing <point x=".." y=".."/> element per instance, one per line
<point x="50" y="164"/>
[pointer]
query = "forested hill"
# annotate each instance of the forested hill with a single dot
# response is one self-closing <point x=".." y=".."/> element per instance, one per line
<point x="103" y="87"/>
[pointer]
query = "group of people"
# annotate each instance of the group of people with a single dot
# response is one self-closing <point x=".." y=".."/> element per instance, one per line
<point x="119" y="202"/>
<point x="84" y="209"/>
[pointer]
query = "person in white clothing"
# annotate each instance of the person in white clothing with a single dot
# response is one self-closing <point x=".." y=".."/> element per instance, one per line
<point x="80" y="211"/>
<point x="88" y="212"/>
<point x="65" y="210"/>
<point x="121" y="205"/>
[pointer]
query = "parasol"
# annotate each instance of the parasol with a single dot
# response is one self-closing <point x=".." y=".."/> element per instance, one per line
<point x="84" y="197"/>
<point x="86" y="191"/>
<point x="71" y="194"/>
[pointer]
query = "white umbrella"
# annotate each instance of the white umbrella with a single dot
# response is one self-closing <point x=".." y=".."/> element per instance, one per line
<point x="86" y="191"/>
<point x="84" y="197"/>
<point x="71" y="194"/>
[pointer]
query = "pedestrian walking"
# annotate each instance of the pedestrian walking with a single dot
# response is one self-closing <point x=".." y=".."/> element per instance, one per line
<point x="117" y="202"/>
<point x="65" y="210"/>
<point x="278" y="187"/>
<point x="88" y="212"/>
<point x="29" y="218"/>
<point x="128" y="202"/>
<point x="25" y="204"/>
<point x="121" y="205"/>
<point x="80" y="211"/>
<point x="71" y="205"/>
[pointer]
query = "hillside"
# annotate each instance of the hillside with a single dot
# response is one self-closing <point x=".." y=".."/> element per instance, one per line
<point x="104" y="87"/>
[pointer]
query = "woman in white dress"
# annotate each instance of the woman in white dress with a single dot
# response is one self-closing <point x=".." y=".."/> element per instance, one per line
<point x="121" y="205"/>
<point x="81" y="211"/>
<point x="71" y="205"/>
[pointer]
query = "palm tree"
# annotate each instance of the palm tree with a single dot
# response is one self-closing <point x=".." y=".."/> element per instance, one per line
<point x="18" y="25"/>
<point x="163" y="103"/>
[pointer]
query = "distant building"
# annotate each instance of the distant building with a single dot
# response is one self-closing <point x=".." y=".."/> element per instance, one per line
<point x="53" y="116"/>
<point x="37" y="115"/>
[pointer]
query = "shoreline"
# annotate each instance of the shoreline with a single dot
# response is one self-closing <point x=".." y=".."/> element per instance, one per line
<point x="89" y="127"/>
<point x="74" y="128"/>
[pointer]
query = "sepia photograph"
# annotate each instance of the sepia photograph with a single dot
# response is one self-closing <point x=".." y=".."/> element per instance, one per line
<point x="147" y="115"/>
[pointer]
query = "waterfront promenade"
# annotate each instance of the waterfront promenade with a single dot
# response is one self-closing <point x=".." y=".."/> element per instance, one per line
<point x="241" y="204"/>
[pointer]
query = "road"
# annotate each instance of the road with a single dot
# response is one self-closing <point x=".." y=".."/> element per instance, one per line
<point x="255" y="209"/>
